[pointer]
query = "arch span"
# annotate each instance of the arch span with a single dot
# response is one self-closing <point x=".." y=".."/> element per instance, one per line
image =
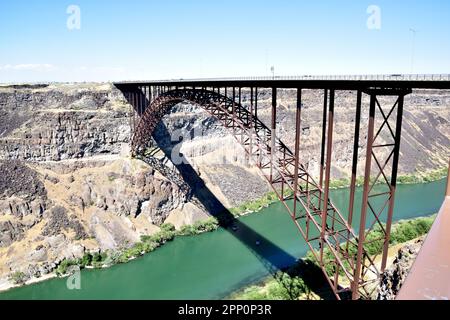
<point x="303" y="198"/>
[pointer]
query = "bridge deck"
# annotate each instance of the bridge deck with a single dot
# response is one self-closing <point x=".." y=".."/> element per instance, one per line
<point x="439" y="81"/>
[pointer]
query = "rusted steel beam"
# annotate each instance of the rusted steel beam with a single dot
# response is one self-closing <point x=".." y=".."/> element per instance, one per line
<point x="234" y="111"/>
<point x="393" y="185"/>
<point x="134" y="99"/>
<point x="298" y="119"/>
<point x="324" y="132"/>
<point x="355" y="157"/>
<point x="364" y="206"/>
<point x="141" y="101"/>
<point x="273" y="131"/>
<point x="327" y="172"/>
<point x="240" y="100"/>
<point x="251" y="107"/>
<point x="250" y="124"/>
<point x="256" y="102"/>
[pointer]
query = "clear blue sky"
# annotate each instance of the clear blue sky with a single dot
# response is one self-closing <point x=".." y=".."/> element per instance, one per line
<point x="139" y="39"/>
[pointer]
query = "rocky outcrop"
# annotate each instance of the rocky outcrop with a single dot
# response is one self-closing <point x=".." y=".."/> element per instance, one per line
<point x="10" y="232"/>
<point x="393" y="278"/>
<point x="62" y="122"/>
<point x="22" y="193"/>
<point x="59" y="222"/>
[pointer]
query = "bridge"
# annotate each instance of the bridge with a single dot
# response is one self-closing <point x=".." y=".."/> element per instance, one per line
<point x="329" y="233"/>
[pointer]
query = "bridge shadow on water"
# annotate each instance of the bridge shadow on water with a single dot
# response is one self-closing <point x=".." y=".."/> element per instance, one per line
<point x="274" y="258"/>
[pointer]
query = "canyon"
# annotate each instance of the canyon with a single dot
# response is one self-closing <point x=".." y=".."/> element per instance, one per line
<point x="68" y="184"/>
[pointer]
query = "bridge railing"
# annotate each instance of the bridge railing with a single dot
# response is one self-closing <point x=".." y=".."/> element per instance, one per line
<point x="429" y="276"/>
<point x="376" y="77"/>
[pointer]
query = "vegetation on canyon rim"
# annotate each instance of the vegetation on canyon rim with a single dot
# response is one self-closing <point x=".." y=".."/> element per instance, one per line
<point x="295" y="282"/>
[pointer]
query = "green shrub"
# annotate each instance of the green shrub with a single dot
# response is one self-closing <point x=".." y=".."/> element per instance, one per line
<point x="135" y="251"/>
<point x="167" y="227"/>
<point x="113" y="258"/>
<point x="18" y="277"/>
<point x="64" y="266"/>
<point x="86" y="260"/>
<point x="96" y="257"/>
<point x="401" y="232"/>
<point x="123" y="258"/>
<point x="256" y="205"/>
<point x="145" y="238"/>
<point x="187" y="230"/>
<point x="149" y="246"/>
<point x="282" y="287"/>
<point x="162" y="236"/>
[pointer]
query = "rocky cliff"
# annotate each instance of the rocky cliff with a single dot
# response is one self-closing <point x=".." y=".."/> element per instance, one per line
<point x="394" y="277"/>
<point x="67" y="183"/>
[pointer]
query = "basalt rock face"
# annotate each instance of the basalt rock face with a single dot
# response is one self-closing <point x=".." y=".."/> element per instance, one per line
<point x="23" y="197"/>
<point x="10" y="232"/>
<point x="21" y="191"/>
<point x="61" y="122"/>
<point x="392" y="279"/>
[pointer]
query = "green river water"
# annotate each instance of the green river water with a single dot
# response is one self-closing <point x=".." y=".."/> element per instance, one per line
<point x="212" y="265"/>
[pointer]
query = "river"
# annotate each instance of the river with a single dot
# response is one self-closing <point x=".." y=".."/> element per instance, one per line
<point x="212" y="265"/>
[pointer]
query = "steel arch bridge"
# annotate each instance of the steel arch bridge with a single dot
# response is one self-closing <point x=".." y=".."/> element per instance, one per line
<point x="328" y="233"/>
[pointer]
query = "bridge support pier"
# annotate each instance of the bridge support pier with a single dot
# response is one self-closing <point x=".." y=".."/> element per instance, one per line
<point x="298" y="119"/>
<point x="379" y="188"/>
<point x="273" y="135"/>
<point x="355" y="158"/>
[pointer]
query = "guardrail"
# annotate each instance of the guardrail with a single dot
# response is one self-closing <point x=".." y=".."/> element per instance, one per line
<point x="377" y="77"/>
<point x="429" y="277"/>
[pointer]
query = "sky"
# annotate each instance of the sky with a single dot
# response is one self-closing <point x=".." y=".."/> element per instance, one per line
<point x="114" y="40"/>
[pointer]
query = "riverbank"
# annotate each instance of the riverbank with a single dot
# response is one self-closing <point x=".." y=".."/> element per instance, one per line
<point x="101" y="260"/>
<point x="300" y="280"/>
<point x="413" y="178"/>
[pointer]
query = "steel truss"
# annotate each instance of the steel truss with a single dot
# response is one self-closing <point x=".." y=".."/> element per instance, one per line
<point x="339" y="250"/>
